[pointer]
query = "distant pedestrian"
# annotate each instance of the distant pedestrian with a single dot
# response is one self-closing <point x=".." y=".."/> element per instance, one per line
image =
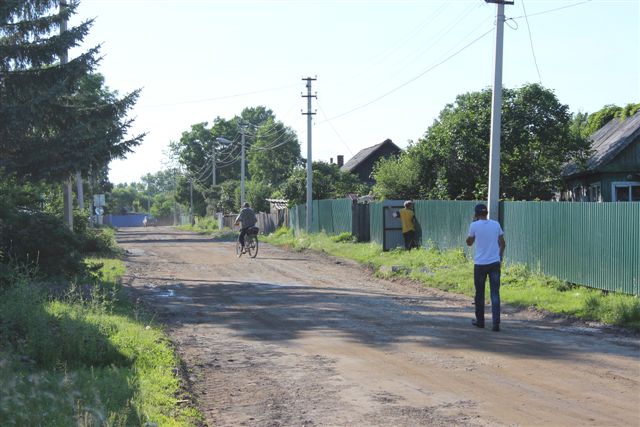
<point x="408" y="220"/>
<point x="489" y="239"/>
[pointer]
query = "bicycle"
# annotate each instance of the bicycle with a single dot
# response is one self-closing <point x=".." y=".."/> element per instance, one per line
<point x="250" y="243"/>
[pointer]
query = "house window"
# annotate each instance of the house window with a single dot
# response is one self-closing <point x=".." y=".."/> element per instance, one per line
<point x="626" y="191"/>
<point x="595" y="193"/>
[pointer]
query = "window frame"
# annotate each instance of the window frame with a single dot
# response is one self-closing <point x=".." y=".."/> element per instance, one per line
<point x="628" y="185"/>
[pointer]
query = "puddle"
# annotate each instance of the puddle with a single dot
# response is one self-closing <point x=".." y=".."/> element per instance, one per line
<point x="170" y="293"/>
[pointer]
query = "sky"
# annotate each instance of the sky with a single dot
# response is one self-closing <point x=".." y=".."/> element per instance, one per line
<point x="384" y="69"/>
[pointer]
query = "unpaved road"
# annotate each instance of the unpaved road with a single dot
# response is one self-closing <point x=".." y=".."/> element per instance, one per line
<point x="301" y="339"/>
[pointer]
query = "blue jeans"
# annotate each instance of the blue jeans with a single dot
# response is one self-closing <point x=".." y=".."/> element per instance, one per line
<point x="480" y="273"/>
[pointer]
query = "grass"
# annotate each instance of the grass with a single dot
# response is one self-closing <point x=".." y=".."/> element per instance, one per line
<point x="209" y="226"/>
<point x="89" y="357"/>
<point x="451" y="271"/>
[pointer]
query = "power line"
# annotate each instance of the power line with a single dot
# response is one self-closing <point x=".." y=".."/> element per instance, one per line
<point x="533" y="52"/>
<point x="333" y="128"/>
<point x="412" y="79"/>
<point x="198" y="101"/>
<point x="554" y="10"/>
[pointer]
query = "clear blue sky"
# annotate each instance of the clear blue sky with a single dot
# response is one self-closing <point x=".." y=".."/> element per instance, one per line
<point x="395" y="63"/>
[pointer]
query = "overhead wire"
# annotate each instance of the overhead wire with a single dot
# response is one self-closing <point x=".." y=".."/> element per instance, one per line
<point x="218" y="98"/>
<point x="533" y="52"/>
<point x="395" y="89"/>
<point x="554" y="10"/>
<point x="333" y="128"/>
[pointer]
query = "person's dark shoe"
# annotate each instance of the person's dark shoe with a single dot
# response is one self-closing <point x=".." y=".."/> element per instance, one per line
<point x="477" y="324"/>
<point x="496" y="327"/>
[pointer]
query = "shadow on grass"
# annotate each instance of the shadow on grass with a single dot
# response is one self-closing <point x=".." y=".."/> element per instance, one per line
<point x="63" y="367"/>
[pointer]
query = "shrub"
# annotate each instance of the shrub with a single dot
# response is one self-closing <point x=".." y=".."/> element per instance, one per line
<point x="36" y="239"/>
<point x="345" y="237"/>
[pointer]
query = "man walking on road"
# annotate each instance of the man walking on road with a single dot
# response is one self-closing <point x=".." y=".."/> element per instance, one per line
<point x="489" y="239"/>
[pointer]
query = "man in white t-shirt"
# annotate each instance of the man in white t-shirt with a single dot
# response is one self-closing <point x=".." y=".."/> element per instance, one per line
<point x="489" y="239"/>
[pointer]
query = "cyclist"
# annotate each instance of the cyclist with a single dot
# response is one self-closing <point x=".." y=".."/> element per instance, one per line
<point x="248" y="219"/>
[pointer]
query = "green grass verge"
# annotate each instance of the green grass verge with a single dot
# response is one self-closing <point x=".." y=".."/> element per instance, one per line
<point x="87" y="358"/>
<point x="451" y="271"/>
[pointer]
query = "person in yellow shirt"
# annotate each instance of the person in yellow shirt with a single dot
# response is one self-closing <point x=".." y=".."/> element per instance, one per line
<point x="408" y="220"/>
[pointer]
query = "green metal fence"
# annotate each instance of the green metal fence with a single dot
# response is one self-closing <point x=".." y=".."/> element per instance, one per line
<point x="330" y="216"/>
<point x="592" y="244"/>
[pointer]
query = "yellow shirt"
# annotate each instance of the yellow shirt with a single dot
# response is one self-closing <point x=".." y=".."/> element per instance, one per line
<point x="406" y="217"/>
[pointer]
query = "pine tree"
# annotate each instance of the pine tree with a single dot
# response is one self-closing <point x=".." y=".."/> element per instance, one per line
<point x="56" y="117"/>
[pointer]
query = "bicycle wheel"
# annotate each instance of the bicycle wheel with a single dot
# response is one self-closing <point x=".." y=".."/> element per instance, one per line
<point x="238" y="249"/>
<point x="253" y="247"/>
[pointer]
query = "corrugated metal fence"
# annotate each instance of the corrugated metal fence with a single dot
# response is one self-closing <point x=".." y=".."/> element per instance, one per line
<point x="330" y="216"/>
<point x="592" y="244"/>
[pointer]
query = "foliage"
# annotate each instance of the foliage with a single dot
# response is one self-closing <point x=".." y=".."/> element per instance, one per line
<point x="257" y="193"/>
<point x="41" y="241"/>
<point x="590" y="123"/>
<point x="399" y="177"/>
<point x="55" y="118"/>
<point x="271" y="150"/>
<point x="329" y="182"/>
<point x="274" y="154"/>
<point x="125" y="198"/>
<point x="85" y="359"/>
<point x="451" y="160"/>
<point x="34" y="239"/>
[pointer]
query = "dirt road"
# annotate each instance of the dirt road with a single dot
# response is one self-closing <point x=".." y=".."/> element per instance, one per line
<point x="301" y="339"/>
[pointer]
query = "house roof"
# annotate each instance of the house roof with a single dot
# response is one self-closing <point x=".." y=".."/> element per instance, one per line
<point x="363" y="154"/>
<point x="608" y="141"/>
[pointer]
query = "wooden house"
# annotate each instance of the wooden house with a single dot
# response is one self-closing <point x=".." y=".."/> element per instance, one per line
<point x="362" y="163"/>
<point x="612" y="173"/>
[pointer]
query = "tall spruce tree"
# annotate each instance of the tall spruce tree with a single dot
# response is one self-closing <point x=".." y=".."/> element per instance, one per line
<point x="55" y="118"/>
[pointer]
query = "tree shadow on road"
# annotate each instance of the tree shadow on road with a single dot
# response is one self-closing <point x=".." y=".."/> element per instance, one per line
<point x="284" y="312"/>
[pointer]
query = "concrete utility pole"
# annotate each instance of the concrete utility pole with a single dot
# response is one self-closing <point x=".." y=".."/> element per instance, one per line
<point x="67" y="190"/>
<point x="213" y="164"/>
<point x="496" y="114"/>
<point x="242" y="166"/>
<point x="309" y="159"/>
<point x="80" y="190"/>
<point x="190" y="200"/>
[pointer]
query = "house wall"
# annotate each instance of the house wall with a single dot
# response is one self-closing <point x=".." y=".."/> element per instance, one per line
<point x="627" y="161"/>
<point x="624" y="167"/>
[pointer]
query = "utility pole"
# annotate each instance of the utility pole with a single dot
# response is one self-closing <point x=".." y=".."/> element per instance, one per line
<point x="191" y="200"/>
<point x="496" y="113"/>
<point x="309" y="159"/>
<point x="242" y="128"/>
<point x="67" y="190"/>
<point x="80" y="190"/>
<point x="213" y="164"/>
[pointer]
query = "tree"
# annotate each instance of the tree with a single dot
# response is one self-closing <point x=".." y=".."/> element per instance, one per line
<point x="55" y="118"/>
<point x="274" y="154"/>
<point x="536" y="142"/>
<point x="257" y="194"/>
<point x="272" y="151"/>
<point x="329" y="182"/>
<point x="399" y="177"/>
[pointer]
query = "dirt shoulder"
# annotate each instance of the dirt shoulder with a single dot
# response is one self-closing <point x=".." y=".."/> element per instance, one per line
<point x="304" y="339"/>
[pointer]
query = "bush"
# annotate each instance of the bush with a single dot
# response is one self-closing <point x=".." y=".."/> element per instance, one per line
<point x="39" y="240"/>
<point x="206" y="224"/>
<point x="345" y="237"/>
<point x="100" y="241"/>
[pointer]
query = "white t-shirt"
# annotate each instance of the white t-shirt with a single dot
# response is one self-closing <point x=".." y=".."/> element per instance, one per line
<point x="486" y="232"/>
